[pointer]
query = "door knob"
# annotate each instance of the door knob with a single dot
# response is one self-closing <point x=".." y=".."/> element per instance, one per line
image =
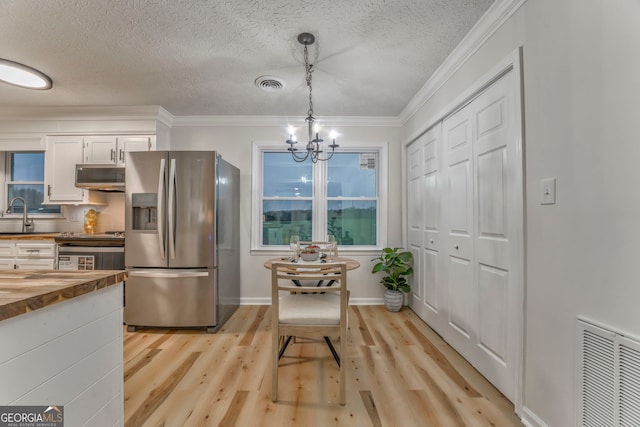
<point x="456" y="247"/>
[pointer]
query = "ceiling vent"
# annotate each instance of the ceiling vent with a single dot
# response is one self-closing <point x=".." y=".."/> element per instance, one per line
<point x="270" y="83"/>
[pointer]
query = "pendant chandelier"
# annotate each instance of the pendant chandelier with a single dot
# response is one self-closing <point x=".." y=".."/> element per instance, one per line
<point x="312" y="149"/>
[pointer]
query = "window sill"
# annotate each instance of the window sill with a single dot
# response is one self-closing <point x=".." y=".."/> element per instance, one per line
<point x="342" y="251"/>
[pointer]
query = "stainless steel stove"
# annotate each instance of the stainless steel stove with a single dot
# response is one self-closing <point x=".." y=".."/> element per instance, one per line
<point x="78" y="251"/>
<point x="109" y="238"/>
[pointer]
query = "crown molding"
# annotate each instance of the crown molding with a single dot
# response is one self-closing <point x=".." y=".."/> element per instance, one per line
<point x="60" y="113"/>
<point x="490" y="22"/>
<point x="165" y="117"/>
<point x="186" y="121"/>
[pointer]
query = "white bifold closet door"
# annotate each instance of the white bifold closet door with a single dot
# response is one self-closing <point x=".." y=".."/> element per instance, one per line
<point x="465" y="227"/>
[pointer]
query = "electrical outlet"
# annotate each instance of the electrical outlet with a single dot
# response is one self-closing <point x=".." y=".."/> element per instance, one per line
<point x="548" y="191"/>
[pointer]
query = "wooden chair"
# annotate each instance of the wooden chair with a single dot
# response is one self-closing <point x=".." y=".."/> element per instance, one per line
<point x="308" y="311"/>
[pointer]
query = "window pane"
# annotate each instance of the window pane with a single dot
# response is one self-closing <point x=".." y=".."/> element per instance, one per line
<point x="352" y="222"/>
<point x="27" y="166"/>
<point x="34" y="195"/>
<point x="283" y="177"/>
<point x="352" y="175"/>
<point x="282" y="218"/>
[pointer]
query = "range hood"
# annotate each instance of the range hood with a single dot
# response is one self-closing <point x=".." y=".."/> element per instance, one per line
<point x="100" y="177"/>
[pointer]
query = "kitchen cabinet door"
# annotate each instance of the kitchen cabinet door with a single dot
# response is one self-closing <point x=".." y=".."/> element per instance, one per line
<point x="63" y="153"/>
<point x="7" y="249"/>
<point x="7" y="263"/>
<point x="100" y="149"/>
<point x="128" y="144"/>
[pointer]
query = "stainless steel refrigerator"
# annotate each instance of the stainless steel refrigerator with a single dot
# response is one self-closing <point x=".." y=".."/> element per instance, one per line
<point x="181" y="239"/>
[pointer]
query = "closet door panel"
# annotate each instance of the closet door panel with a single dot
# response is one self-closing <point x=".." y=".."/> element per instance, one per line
<point x="431" y="280"/>
<point x="415" y="219"/>
<point x="492" y="325"/>
<point x="458" y="221"/>
<point x="497" y="305"/>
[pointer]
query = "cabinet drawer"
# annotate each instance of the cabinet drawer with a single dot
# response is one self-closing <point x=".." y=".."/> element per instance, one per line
<point x="7" y="249"/>
<point x="42" y="250"/>
<point x="35" y="264"/>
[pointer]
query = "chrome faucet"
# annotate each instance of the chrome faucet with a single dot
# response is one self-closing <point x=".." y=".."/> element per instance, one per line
<point x="27" y="223"/>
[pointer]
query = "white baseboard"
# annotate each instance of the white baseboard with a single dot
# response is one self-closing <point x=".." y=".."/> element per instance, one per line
<point x="352" y="301"/>
<point x="530" y="419"/>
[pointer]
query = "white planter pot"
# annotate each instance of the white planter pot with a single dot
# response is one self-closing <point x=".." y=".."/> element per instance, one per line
<point x="393" y="300"/>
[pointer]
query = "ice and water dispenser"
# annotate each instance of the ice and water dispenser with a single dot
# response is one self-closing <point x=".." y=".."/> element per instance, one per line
<point x="145" y="211"/>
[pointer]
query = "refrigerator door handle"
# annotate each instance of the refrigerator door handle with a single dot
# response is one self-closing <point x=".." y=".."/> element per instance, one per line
<point x="160" y="208"/>
<point x="166" y="274"/>
<point x="171" y="208"/>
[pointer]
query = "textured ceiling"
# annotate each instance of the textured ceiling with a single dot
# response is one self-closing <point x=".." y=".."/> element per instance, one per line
<point x="201" y="57"/>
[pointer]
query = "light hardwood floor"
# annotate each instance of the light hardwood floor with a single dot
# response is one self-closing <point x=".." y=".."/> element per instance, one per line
<point x="400" y="373"/>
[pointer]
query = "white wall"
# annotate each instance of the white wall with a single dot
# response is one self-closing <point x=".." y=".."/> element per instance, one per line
<point x="582" y="89"/>
<point x="234" y="143"/>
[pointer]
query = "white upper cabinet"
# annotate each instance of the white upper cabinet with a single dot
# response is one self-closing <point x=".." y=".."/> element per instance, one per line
<point x="109" y="149"/>
<point x="137" y="143"/>
<point x="63" y="153"/>
<point x="100" y="149"/>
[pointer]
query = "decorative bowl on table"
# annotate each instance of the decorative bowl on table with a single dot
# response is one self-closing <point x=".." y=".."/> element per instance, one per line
<point x="309" y="256"/>
<point x="310" y="253"/>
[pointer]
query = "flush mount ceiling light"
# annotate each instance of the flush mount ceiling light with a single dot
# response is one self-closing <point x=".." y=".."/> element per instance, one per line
<point x="22" y="76"/>
<point x="313" y="145"/>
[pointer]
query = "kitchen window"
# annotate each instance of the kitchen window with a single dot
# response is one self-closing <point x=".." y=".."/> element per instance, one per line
<point x="24" y="177"/>
<point x="342" y="197"/>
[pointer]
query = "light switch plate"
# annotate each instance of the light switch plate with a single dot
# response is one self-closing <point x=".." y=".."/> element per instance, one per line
<point x="548" y="191"/>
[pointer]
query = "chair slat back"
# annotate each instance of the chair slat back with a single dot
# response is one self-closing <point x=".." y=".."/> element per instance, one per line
<point x="283" y="275"/>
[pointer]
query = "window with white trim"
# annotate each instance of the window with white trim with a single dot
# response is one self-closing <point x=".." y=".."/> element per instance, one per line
<point x="342" y="197"/>
<point x="24" y="177"/>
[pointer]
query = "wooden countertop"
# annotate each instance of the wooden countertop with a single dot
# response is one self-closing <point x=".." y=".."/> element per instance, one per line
<point x="29" y="236"/>
<point x="22" y="291"/>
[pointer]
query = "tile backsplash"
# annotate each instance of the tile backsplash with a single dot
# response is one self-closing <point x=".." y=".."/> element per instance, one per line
<point x="109" y="218"/>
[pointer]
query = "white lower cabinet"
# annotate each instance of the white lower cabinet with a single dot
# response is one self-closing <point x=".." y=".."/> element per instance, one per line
<point x="7" y="255"/>
<point x="7" y="263"/>
<point x="32" y="255"/>
<point x="34" y="264"/>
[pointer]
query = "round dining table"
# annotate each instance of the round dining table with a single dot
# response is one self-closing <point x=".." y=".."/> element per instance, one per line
<point x="352" y="264"/>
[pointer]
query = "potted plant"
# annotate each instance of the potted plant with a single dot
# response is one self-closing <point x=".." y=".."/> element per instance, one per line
<point x="396" y="265"/>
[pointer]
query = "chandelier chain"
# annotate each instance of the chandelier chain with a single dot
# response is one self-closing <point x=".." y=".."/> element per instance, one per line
<point x="308" y="70"/>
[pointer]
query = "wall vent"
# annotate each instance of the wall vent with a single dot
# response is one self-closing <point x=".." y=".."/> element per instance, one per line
<point x="608" y="377"/>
